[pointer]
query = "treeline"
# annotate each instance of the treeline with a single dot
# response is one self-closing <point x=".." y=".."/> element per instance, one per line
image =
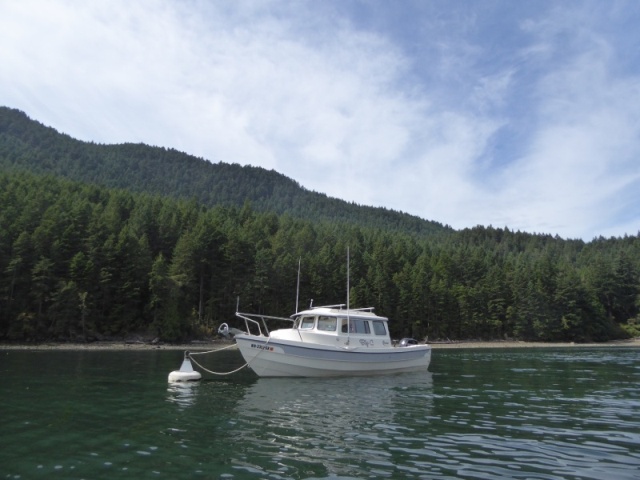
<point x="79" y="261"/>
<point x="26" y="145"/>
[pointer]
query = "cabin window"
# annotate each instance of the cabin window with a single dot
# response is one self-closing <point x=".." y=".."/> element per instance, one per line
<point x="361" y="326"/>
<point x="378" y="327"/>
<point x="327" y="324"/>
<point x="307" y="323"/>
<point x="355" y="326"/>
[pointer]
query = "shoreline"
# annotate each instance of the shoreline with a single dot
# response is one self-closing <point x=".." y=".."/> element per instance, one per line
<point x="218" y="344"/>
<point x="632" y="342"/>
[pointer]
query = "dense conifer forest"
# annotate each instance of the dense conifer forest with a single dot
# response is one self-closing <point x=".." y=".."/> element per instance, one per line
<point x="88" y="250"/>
<point x="28" y="145"/>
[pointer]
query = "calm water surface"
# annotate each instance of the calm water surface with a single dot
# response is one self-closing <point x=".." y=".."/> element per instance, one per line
<point x="522" y="413"/>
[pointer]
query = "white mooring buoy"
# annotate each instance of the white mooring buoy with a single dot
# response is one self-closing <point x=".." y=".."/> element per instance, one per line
<point x="186" y="372"/>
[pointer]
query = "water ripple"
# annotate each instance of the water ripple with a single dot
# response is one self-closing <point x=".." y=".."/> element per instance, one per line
<point x="557" y="414"/>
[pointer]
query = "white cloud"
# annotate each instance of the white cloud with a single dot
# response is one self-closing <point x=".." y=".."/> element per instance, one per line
<point x="583" y="153"/>
<point x="539" y="137"/>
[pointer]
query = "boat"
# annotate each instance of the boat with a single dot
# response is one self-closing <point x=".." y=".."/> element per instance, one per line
<point x="326" y="341"/>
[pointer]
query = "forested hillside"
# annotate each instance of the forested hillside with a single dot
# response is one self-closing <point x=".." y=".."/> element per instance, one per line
<point x="80" y="261"/>
<point x="28" y="145"/>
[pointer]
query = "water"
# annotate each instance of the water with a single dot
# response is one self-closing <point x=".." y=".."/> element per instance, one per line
<point x="539" y="413"/>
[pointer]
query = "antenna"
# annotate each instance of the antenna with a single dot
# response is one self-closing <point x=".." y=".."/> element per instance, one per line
<point x="298" y="286"/>
<point x="348" y="319"/>
<point x="347" y="279"/>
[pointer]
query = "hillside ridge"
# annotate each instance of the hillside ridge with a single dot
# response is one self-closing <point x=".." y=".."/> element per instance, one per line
<point x="26" y="144"/>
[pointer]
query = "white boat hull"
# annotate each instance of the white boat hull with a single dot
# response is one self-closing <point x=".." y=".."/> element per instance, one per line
<point x="269" y="357"/>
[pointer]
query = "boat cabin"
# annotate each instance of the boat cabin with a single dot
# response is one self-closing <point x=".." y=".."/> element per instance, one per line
<point x="323" y="323"/>
<point x="336" y="325"/>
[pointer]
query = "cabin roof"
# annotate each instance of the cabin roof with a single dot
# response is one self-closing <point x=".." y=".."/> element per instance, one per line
<point x="340" y="311"/>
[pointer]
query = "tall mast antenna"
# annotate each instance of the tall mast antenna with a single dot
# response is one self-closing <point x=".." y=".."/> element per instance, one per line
<point x="347" y="280"/>
<point x="348" y="319"/>
<point x="298" y="286"/>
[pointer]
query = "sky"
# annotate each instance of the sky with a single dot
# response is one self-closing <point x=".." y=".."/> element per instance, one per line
<point x="516" y="114"/>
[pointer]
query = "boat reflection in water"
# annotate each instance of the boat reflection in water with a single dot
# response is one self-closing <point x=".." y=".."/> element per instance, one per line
<point x="322" y="426"/>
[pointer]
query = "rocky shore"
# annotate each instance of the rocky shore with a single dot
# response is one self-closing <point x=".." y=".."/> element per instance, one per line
<point x="634" y="342"/>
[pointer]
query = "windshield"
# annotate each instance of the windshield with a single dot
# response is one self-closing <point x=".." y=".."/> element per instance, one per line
<point x="306" y="323"/>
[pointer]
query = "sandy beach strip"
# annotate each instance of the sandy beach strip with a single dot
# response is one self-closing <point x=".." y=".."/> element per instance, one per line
<point x="118" y="345"/>
<point x="633" y="342"/>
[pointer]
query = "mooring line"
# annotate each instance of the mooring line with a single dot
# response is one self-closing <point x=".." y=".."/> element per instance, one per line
<point x="219" y="350"/>
<point x="214" y="351"/>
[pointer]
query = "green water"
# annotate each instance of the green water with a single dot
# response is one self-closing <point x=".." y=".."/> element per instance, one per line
<point x="538" y="413"/>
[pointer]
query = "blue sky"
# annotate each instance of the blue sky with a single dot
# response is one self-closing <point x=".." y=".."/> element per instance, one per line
<point x="518" y="114"/>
